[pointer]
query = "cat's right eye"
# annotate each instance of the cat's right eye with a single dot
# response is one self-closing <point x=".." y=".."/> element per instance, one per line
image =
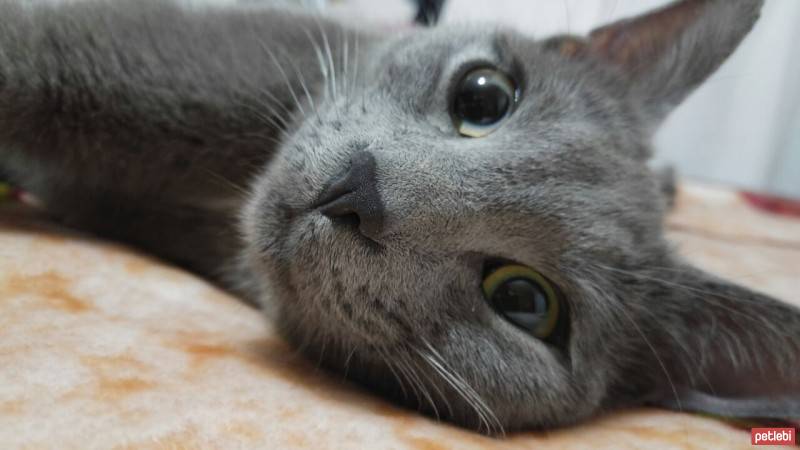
<point x="525" y="298"/>
<point x="483" y="99"/>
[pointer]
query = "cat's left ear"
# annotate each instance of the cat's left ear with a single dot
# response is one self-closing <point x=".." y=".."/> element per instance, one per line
<point x="727" y="350"/>
<point x="667" y="53"/>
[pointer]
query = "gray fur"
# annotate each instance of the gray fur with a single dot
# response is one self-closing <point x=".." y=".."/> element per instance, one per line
<point x="205" y="136"/>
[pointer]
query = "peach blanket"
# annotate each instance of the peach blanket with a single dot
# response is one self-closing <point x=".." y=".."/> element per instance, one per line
<point x="103" y="347"/>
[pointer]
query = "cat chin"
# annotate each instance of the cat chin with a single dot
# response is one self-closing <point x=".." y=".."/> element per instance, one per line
<point x="403" y="377"/>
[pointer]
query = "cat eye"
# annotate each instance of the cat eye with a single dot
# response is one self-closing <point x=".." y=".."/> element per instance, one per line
<point x="483" y="99"/>
<point x="523" y="297"/>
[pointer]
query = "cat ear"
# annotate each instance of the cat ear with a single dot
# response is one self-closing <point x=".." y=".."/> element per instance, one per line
<point x="667" y="53"/>
<point x="723" y="349"/>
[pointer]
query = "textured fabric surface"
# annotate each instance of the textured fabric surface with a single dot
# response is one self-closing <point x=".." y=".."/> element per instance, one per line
<point x="103" y="347"/>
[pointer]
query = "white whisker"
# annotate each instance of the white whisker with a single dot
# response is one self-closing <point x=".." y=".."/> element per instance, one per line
<point x="485" y="413"/>
<point x="320" y="60"/>
<point x="327" y="47"/>
<point x="284" y="76"/>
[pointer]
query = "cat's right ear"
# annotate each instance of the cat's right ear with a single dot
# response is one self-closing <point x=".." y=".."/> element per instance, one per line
<point x="665" y="54"/>
<point x="720" y="348"/>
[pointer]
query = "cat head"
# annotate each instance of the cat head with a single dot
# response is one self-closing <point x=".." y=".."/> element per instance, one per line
<point x="465" y="220"/>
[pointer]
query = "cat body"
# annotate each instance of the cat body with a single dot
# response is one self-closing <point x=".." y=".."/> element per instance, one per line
<point x="370" y="191"/>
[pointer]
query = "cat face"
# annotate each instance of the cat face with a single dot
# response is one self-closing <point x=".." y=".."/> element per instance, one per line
<point x="466" y="223"/>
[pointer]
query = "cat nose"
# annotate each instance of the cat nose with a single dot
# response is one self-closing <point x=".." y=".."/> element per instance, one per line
<point x="353" y="197"/>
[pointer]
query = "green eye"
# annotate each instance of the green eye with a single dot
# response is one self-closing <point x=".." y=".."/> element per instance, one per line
<point x="483" y="99"/>
<point x="524" y="297"/>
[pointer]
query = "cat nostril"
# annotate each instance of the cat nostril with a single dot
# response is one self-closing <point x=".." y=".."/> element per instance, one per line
<point x="353" y="197"/>
<point x="350" y="220"/>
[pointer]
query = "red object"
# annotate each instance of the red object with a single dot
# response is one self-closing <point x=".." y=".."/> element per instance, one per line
<point x="772" y="436"/>
<point x="773" y="204"/>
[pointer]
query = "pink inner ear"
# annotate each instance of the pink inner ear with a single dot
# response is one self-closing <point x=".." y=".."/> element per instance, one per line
<point x="631" y="42"/>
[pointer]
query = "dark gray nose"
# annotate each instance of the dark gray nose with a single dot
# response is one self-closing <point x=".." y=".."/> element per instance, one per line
<point x="353" y="197"/>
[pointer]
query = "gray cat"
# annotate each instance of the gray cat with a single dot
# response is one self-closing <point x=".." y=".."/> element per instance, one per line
<point x="462" y="219"/>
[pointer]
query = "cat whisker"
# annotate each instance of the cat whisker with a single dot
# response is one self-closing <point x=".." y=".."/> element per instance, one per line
<point x="320" y="60"/>
<point x="423" y="389"/>
<point x="303" y="84"/>
<point x="356" y="63"/>
<point x="347" y="361"/>
<point x="270" y="106"/>
<point x="274" y="120"/>
<point x="435" y="387"/>
<point x="485" y="413"/>
<point x="255" y="135"/>
<point x="660" y="361"/>
<point x="624" y="313"/>
<point x="390" y="366"/>
<point x="321" y="356"/>
<point x="404" y="371"/>
<point x="442" y="373"/>
<point x="227" y="182"/>
<point x="285" y="77"/>
<point x="345" y="60"/>
<point x="273" y="103"/>
<point x="327" y="47"/>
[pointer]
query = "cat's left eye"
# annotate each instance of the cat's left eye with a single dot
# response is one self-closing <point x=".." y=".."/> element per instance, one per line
<point x="525" y="298"/>
<point x="483" y="99"/>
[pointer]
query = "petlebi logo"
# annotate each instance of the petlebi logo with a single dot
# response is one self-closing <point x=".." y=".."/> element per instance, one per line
<point x="772" y="436"/>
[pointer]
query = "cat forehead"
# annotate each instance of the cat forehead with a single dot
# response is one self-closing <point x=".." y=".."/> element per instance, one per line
<point x="432" y="57"/>
<point x="568" y="100"/>
<point x="447" y="47"/>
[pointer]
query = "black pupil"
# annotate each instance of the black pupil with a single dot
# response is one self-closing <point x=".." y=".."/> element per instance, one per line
<point x="480" y="100"/>
<point x="522" y="301"/>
